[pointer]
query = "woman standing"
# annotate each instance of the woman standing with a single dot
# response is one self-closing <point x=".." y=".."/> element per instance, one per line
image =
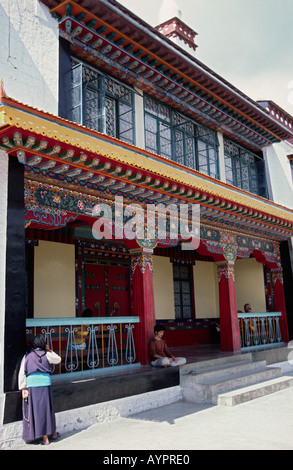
<point x="35" y="383"/>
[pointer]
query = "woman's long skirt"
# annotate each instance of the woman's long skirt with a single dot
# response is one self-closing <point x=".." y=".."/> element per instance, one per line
<point x="38" y="414"/>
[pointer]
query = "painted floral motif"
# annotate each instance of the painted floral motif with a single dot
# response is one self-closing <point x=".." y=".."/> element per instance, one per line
<point x="142" y="261"/>
<point x="57" y="199"/>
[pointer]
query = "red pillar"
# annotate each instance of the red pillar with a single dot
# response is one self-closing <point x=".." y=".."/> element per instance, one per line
<point x="230" y="335"/>
<point x="143" y="302"/>
<point x="279" y="301"/>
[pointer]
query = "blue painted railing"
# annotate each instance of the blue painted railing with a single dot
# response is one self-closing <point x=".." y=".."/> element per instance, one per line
<point x="259" y="330"/>
<point x="87" y="343"/>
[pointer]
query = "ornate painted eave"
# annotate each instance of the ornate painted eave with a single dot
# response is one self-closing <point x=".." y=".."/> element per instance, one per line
<point x="56" y="151"/>
<point x="107" y="35"/>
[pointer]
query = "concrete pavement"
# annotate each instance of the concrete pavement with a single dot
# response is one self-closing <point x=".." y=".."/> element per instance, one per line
<point x="262" y="424"/>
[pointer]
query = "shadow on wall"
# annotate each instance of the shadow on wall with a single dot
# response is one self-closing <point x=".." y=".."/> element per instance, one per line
<point x="29" y="54"/>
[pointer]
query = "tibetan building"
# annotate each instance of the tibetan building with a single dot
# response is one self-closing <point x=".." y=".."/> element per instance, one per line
<point x="98" y="108"/>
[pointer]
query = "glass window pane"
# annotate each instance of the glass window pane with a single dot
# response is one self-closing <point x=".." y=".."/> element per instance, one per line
<point x="76" y="115"/>
<point x="179" y="147"/>
<point x="184" y="272"/>
<point x="228" y="162"/>
<point x="165" y="140"/>
<point x="163" y="112"/>
<point x="245" y="177"/>
<point x="151" y="142"/>
<point x="76" y="96"/>
<point x="91" y="109"/>
<point x="213" y="170"/>
<point x="202" y="157"/>
<point x="110" y="117"/>
<point x="76" y="76"/>
<point x="151" y="133"/>
<point x="182" y="291"/>
<point x="126" y="130"/>
<point x="187" y="312"/>
<point x="151" y="124"/>
<point x="151" y="105"/>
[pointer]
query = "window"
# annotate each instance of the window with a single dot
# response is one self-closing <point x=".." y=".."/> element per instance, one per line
<point x="207" y="151"/>
<point x="177" y="137"/>
<point x="101" y="103"/>
<point x="158" y="128"/>
<point x="182" y="291"/>
<point x="244" y="169"/>
<point x="184" y="140"/>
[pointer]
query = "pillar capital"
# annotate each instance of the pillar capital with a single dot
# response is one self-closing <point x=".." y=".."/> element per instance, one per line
<point x="141" y="259"/>
<point x="226" y="268"/>
<point x="277" y="275"/>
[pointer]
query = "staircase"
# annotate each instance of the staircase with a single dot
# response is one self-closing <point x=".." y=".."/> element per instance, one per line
<point x="229" y="381"/>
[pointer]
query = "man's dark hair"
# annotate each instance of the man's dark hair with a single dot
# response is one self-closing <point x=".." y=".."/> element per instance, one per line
<point x="158" y="328"/>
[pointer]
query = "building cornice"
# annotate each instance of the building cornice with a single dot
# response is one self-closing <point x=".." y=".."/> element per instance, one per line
<point x="41" y="140"/>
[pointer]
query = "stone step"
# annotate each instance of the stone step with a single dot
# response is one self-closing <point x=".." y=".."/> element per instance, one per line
<point x="215" y="373"/>
<point x="242" y="395"/>
<point x="218" y="362"/>
<point x="229" y="381"/>
<point x="210" y="387"/>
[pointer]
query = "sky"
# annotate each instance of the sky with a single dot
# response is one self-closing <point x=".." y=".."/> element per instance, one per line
<point x="247" y="42"/>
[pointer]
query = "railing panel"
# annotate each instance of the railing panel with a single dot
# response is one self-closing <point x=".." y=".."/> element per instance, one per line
<point x="259" y="329"/>
<point x="87" y="343"/>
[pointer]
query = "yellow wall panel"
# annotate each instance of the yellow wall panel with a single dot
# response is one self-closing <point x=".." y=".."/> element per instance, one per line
<point x="54" y="280"/>
<point x="163" y="288"/>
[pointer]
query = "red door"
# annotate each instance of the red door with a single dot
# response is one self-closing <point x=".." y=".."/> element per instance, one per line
<point x="107" y="290"/>
<point x="119" y="291"/>
<point x="95" y="289"/>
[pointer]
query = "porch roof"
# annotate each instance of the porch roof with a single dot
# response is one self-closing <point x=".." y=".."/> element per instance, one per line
<point x="76" y="158"/>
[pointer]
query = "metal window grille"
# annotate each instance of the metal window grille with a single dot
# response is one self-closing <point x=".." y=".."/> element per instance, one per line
<point x="101" y="103"/>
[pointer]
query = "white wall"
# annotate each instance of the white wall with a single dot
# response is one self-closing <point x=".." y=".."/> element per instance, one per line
<point x="29" y="53"/>
<point x="3" y="224"/>
<point x="139" y="119"/>
<point x="279" y="170"/>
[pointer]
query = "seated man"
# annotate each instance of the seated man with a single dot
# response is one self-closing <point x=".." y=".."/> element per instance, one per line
<point x="160" y="354"/>
<point x="247" y="308"/>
